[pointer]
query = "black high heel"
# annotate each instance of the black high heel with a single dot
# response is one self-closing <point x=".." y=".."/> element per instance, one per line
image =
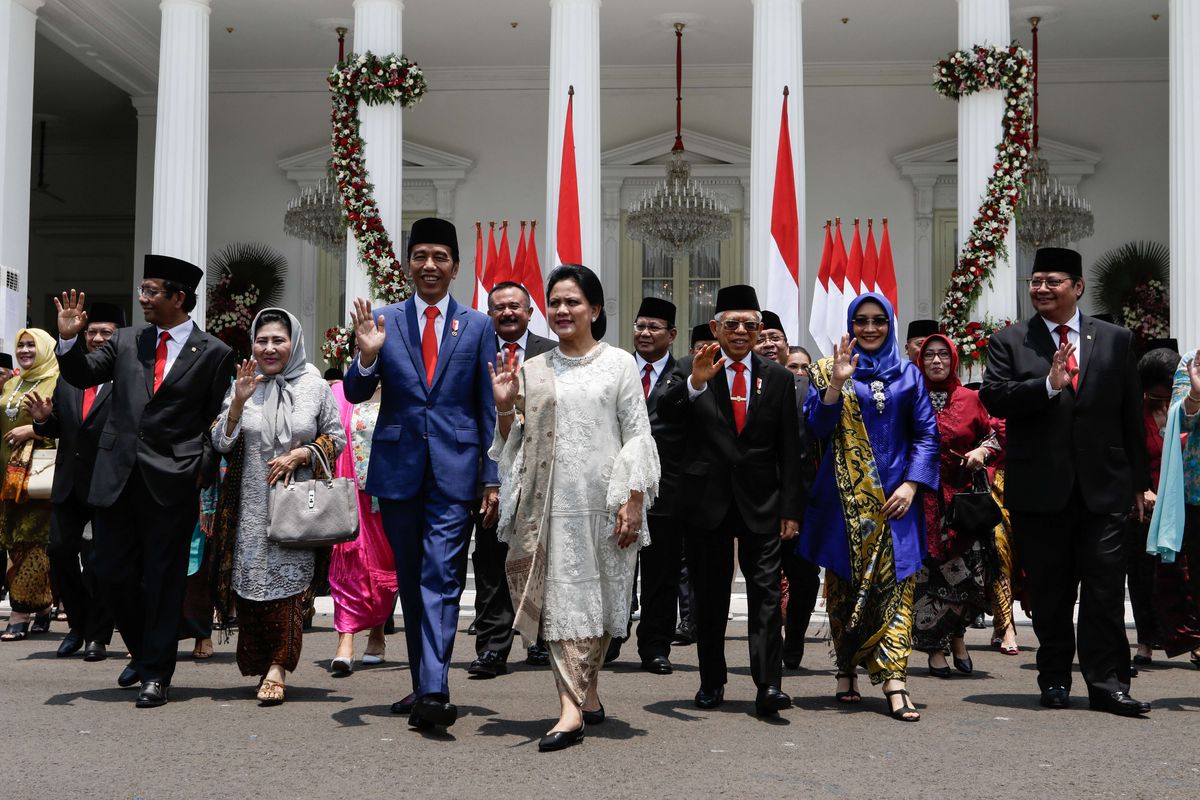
<point x="15" y="632"/>
<point x="940" y="672"/>
<point x="963" y="665"/>
<point x="41" y="623"/>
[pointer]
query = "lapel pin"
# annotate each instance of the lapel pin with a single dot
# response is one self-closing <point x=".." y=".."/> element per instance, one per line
<point x="1089" y="336"/>
<point x="454" y="327"/>
<point x="758" y="386"/>
<point x="194" y="349"/>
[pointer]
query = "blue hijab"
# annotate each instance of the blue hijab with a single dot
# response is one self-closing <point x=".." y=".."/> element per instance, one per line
<point x="884" y="364"/>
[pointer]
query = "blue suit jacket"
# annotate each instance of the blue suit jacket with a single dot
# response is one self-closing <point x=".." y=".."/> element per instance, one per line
<point x="448" y="425"/>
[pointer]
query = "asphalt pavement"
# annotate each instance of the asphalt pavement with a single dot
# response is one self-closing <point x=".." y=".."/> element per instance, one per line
<point x="67" y="731"/>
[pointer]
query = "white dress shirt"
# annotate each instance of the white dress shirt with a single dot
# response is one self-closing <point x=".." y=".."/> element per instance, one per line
<point x="520" y="343"/>
<point x="1073" y="325"/>
<point x="656" y="367"/>
<point x="420" y="305"/>
<point x="179" y="337"/>
<point x="730" y="374"/>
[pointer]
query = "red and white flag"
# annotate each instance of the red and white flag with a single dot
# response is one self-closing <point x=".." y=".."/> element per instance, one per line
<point x="518" y="264"/>
<point x="854" y="268"/>
<point x="817" y="325"/>
<point x="886" y="278"/>
<point x="489" y="264"/>
<point x="535" y="284"/>
<point x="870" y="262"/>
<point x="567" y="241"/>
<point x="479" y="297"/>
<point x="783" y="251"/>
<point x="504" y="270"/>
<point x="835" y="310"/>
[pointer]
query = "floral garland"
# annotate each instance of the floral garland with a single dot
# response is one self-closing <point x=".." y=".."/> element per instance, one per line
<point x="963" y="73"/>
<point x="972" y="347"/>
<point x="232" y="304"/>
<point x="1148" y="312"/>
<point x="373" y="80"/>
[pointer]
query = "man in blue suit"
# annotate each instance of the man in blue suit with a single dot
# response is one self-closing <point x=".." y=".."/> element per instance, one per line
<point x="429" y="452"/>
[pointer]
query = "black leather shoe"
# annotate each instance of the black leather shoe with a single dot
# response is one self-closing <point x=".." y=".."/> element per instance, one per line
<point x="560" y="739"/>
<point x="1056" y="697"/>
<point x="488" y="665"/>
<point x="685" y="634"/>
<point x="153" y="694"/>
<point x="95" y="651"/>
<point x="1118" y="703"/>
<point x="710" y="698"/>
<point x="964" y="665"/>
<point x="433" y="709"/>
<point x="537" y="656"/>
<point x="659" y="665"/>
<point x="594" y="717"/>
<point x="771" y="700"/>
<point x="69" y="645"/>
<point x="128" y="677"/>
<point x="404" y="706"/>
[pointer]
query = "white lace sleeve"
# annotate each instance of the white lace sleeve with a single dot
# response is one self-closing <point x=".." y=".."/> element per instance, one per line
<point x="221" y="442"/>
<point x="636" y="468"/>
<point x="509" y="454"/>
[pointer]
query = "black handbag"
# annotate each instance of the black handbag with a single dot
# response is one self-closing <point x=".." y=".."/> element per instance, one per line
<point x="974" y="511"/>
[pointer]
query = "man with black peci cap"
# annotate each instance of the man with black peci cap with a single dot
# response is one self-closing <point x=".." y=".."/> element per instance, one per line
<point x="742" y="464"/>
<point x="75" y="418"/>
<point x="918" y="331"/>
<point x="1067" y="385"/>
<point x="153" y="455"/>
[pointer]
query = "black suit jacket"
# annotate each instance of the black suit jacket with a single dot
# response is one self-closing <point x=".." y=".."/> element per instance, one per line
<point x="164" y="433"/>
<point x="758" y="469"/>
<point x="670" y="438"/>
<point x="77" y="439"/>
<point x="1093" y="437"/>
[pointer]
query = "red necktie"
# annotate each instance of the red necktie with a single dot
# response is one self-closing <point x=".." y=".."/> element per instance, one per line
<point x="646" y="373"/>
<point x="738" y="395"/>
<point x="510" y="353"/>
<point x="429" y="347"/>
<point x="1071" y="362"/>
<point x="89" y="397"/>
<point x="160" y="359"/>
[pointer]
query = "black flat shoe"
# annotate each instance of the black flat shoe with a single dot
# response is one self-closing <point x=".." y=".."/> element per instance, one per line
<point x="1056" y="697"/>
<point x="128" y="677"/>
<point x="659" y="665"/>
<point x="1118" y="703"/>
<point x="433" y="709"/>
<point x="70" y="645"/>
<point x="558" y="740"/>
<point x="41" y="623"/>
<point x="1143" y="661"/>
<point x="594" y="717"/>
<point x="939" y="672"/>
<point x="153" y="694"/>
<point x="404" y="706"/>
<point x="709" y="698"/>
<point x="15" y="632"/>
<point x="771" y="700"/>
<point x="963" y="665"/>
<point x="95" y="651"/>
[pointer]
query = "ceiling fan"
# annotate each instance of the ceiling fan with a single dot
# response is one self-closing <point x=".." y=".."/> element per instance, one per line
<point x="42" y="187"/>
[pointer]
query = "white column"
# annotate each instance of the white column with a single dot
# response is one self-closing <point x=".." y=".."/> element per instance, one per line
<point x="1184" y="16"/>
<point x="180" y="218"/>
<point x="378" y="29"/>
<point x="983" y="22"/>
<point x="146" y="107"/>
<point x="778" y="62"/>
<point x="575" y="61"/>
<point x="17" y="22"/>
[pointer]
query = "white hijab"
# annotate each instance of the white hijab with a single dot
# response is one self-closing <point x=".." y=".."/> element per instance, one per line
<point x="279" y="399"/>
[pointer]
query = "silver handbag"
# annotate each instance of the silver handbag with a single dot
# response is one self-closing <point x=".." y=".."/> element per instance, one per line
<point x="314" y="513"/>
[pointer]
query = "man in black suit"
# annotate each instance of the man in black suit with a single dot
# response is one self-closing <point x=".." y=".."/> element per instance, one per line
<point x="510" y="307"/>
<point x="742" y="464"/>
<point x="1067" y="384"/>
<point x="653" y="334"/>
<point x="75" y="418"/>
<point x="153" y="456"/>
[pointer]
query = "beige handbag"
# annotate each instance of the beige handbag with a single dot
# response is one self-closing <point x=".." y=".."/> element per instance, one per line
<point x="41" y="474"/>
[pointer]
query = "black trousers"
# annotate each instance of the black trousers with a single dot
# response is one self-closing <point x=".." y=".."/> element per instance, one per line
<point x="804" y="582"/>
<point x="660" y="587"/>
<point x="1140" y="569"/>
<point x="140" y="556"/>
<point x="493" y="605"/>
<point x="1075" y="552"/>
<point x="71" y="570"/>
<point x="710" y="567"/>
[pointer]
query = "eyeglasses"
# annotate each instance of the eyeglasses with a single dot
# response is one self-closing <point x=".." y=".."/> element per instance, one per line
<point x="643" y="328"/>
<point x="418" y="259"/>
<point x="935" y="355"/>
<point x="1049" y="283"/>
<point x="871" y="322"/>
<point x="777" y="338"/>
<point x="149" y="291"/>
<point x="731" y="325"/>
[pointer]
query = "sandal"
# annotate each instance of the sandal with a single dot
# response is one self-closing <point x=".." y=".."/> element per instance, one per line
<point x="270" y="693"/>
<point x="371" y="659"/>
<point x="1010" y="650"/>
<point x="203" y="650"/>
<point x="851" y="695"/>
<point x="15" y="632"/>
<point x="41" y="623"/>
<point x="899" y="713"/>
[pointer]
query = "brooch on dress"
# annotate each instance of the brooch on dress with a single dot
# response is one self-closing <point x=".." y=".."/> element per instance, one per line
<point x="877" y="393"/>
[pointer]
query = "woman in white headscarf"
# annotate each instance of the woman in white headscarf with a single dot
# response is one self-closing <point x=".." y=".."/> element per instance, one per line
<point x="278" y="410"/>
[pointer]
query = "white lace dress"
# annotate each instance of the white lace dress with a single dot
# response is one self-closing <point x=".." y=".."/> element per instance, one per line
<point x="603" y="450"/>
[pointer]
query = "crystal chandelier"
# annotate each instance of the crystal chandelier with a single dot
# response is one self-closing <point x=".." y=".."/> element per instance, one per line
<point x="678" y="216"/>
<point x="315" y="215"/>
<point x="1050" y="214"/>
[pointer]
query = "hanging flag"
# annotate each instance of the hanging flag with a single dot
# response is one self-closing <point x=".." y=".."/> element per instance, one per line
<point x="567" y="241"/>
<point x="835" y="313"/>
<point x="535" y="284"/>
<point x="504" y="270"/>
<point x="479" y="298"/>
<point x="854" y="267"/>
<point x="489" y="265"/>
<point x="817" y="326"/>
<point x="886" y="278"/>
<point x="518" y="265"/>
<point x="870" y="261"/>
<point x="783" y="251"/>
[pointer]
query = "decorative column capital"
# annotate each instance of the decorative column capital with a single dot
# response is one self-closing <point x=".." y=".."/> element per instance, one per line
<point x="31" y="6"/>
<point x="204" y="5"/>
<point x="146" y="105"/>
